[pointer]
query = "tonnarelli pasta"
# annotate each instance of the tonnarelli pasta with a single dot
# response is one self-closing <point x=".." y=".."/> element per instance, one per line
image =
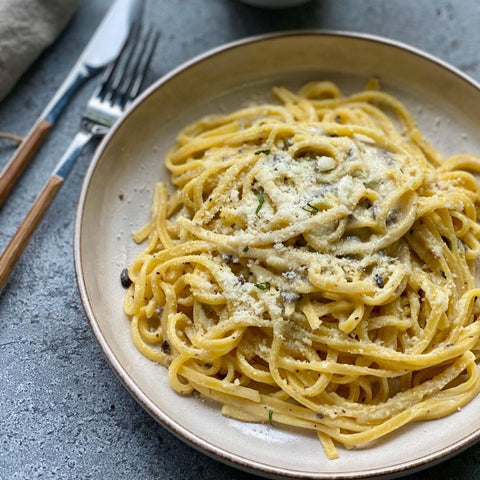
<point x="315" y="267"/>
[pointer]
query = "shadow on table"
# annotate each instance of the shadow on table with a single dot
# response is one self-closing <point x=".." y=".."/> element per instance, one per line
<point x="246" y="20"/>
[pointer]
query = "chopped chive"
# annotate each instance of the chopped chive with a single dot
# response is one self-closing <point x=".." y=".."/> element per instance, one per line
<point x="270" y="417"/>
<point x="245" y="248"/>
<point x="261" y="201"/>
<point x="266" y="152"/>
<point x="263" y="286"/>
<point x="310" y="208"/>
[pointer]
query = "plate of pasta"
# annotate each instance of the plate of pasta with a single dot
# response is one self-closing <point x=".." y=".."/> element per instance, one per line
<point x="278" y="258"/>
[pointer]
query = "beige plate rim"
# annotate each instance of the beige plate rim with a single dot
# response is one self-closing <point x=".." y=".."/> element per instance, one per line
<point x="192" y="438"/>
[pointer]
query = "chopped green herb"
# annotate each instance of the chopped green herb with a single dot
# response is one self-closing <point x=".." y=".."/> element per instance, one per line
<point x="310" y="208"/>
<point x="270" y="417"/>
<point x="263" y="286"/>
<point x="266" y="152"/>
<point x="261" y="201"/>
<point x="245" y="248"/>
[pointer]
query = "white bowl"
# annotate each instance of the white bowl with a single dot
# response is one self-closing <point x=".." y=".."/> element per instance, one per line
<point x="116" y="196"/>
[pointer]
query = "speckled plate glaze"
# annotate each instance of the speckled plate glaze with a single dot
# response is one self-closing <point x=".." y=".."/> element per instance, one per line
<point x="115" y="200"/>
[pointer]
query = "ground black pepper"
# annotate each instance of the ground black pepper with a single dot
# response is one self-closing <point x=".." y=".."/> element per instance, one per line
<point x="125" y="279"/>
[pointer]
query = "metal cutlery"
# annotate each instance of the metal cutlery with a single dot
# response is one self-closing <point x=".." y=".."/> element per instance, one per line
<point x="101" y="50"/>
<point x="120" y="85"/>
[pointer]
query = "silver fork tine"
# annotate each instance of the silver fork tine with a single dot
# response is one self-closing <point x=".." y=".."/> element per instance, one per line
<point x="122" y="67"/>
<point x="112" y="97"/>
<point x="110" y="76"/>
<point x="128" y="76"/>
<point x="134" y="81"/>
<point x="124" y="78"/>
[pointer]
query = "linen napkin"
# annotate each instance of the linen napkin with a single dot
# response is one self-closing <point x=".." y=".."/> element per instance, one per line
<point x="27" y="27"/>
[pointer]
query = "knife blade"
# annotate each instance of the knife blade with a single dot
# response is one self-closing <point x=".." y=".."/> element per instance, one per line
<point x="102" y="49"/>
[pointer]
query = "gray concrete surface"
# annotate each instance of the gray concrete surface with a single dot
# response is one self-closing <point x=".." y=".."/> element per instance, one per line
<point x="63" y="412"/>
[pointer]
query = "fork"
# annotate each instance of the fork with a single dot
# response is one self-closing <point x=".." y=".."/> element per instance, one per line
<point x="119" y="86"/>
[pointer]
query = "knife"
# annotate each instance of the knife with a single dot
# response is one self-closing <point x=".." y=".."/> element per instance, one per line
<point x="102" y="49"/>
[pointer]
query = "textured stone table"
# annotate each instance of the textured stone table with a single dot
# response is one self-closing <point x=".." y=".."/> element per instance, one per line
<point x="63" y="412"/>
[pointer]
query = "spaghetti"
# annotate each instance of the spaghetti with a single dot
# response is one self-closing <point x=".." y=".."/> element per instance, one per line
<point x="314" y="267"/>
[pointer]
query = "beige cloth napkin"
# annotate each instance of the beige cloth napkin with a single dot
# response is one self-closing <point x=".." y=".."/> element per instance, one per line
<point x="27" y="27"/>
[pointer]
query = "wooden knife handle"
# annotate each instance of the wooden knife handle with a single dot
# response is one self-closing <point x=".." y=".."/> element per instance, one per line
<point x="14" y="249"/>
<point x="22" y="156"/>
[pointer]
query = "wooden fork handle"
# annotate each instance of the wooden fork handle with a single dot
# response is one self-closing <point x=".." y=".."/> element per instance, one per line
<point x="22" y="156"/>
<point x="14" y="249"/>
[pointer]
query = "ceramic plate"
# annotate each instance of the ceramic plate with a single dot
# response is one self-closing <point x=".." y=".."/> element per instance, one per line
<point x="115" y="201"/>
